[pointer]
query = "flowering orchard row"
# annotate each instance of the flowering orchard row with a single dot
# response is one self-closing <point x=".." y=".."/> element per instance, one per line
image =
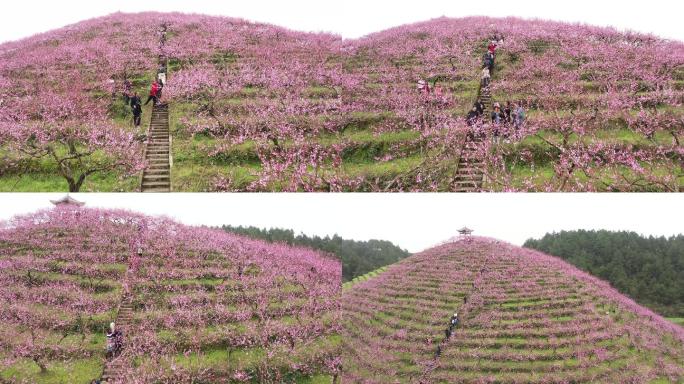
<point x="525" y="317"/>
<point x="208" y="305"/>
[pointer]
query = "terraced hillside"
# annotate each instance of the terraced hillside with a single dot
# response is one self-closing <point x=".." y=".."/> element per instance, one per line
<point x="259" y="107"/>
<point x="194" y="304"/>
<point x="525" y="317"/>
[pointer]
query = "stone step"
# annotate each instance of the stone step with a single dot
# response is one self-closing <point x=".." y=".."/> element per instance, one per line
<point x="474" y="179"/>
<point x="154" y="178"/>
<point x="467" y="170"/>
<point x="466" y="184"/>
<point x="153" y="184"/>
<point x="157" y="169"/>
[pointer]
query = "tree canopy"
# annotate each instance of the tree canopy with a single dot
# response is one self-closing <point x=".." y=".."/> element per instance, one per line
<point x="648" y="269"/>
<point x="357" y="257"/>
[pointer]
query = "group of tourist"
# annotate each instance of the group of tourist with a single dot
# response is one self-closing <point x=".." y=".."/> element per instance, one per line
<point x="512" y="115"/>
<point x="424" y="88"/>
<point x="453" y="323"/>
<point x="132" y="98"/>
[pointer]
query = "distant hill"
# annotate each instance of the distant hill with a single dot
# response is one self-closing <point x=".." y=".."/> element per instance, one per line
<point x="525" y="317"/>
<point x="357" y="257"/>
<point x="648" y="269"/>
<point x="196" y="305"/>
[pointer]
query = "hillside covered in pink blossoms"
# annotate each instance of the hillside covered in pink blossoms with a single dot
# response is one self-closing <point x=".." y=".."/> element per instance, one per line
<point x="524" y="317"/>
<point x="257" y="107"/>
<point x="207" y="306"/>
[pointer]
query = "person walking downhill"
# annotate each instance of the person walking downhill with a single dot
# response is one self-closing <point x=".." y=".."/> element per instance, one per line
<point x="118" y="341"/>
<point x="136" y="107"/>
<point x="496" y="121"/>
<point x="486" y="77"/>
<point x="479" y="107"/>
<point x="492" y="47"/>
<point x="153" y="93"/>
<point x="489" y="61"/>
<point x="472" y="116"/>
<point x="161" y="82"/>
<point x="110" y="341"/>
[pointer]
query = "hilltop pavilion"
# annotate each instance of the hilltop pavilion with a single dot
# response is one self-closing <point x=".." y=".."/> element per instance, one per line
<point x="67" y="201"/>
<point x="465" y="231"/>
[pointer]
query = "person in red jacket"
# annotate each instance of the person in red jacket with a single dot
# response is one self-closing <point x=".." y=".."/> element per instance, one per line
<point x="154" y="90"/>
<point x="492" y="47"/>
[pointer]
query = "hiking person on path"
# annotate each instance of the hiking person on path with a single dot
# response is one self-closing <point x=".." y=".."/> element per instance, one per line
<point x="136" y="107"/>
<point x="496" y="120"/>
<point x="160" y="85"/>
<point x="110" y="340"/>
<point x="118" y="341"/>
<point x="486" y="77"/>
<point x="479" y="107"/>
<point x="489" y="60"/>
<point x="454" y="320"/>
<point x="519" y="116"/>
<point x="472" y="116"/>
<point x="507" y="113"/>
<point x="492" y="47"/>
<point x="154" y="89"/>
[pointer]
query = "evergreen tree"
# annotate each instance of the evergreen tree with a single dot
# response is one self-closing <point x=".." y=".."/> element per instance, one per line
<point x="357" y="257"/>
<point x="648" y="269"/>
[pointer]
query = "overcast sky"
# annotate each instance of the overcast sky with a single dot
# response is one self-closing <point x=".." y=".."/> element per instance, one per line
<point x="351" y="18"/>
<point x="413" y="221"/>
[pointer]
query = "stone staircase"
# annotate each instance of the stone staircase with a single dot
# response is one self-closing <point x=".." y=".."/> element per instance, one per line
<point x="116" y="365"/>
<point x="469" y="172"/>
<point x="157" y="176"/>
<point x="469" y="175"/>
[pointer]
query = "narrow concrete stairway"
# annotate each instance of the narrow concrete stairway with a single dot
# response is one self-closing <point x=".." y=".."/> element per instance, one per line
<point x="116" y="365"/>
<point x="157" y="175"/>
<point x="470" y="170"/>
<point x="469" y="175"/>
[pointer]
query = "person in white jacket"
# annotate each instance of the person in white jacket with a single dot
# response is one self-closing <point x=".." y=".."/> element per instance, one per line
<point x="486" y="77"/>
